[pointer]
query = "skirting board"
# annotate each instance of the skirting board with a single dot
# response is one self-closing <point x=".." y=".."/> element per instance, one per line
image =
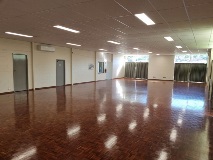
<point x="14" y="92"/>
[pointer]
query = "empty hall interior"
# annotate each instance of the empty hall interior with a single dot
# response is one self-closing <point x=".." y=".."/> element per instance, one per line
<point x="106" y="80"/>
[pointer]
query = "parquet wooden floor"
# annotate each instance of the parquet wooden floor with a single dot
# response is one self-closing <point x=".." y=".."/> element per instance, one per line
<point x="108" y="120"/>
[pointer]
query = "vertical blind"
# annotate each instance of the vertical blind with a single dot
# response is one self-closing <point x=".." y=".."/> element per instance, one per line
<point x="136" y="70"/>
<point x="193" y="72"/>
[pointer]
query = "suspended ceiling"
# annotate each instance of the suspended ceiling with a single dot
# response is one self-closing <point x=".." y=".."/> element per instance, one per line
<point x="188" y="22"/>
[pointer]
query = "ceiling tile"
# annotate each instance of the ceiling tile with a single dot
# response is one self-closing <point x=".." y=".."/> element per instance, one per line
<point x="101" y="20"/>
<point x="183" y="25"/>
<point x="97" y="9"/>
<point x="197" y="2"/>
<point x="200" y="11"/>
<point x="140" y="6"/>
<point x="166" y="4"/>
<point x="9" y="8"/>
<point x="202" y="23"/>
<point x="174" y="15"/>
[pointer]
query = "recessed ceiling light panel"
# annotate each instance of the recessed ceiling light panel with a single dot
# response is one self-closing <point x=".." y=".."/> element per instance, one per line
<point x="72" y="44"/>
<point x="102" y="50"/>
<point x="143" y="17"/>
<point x="18" y="34"/>
<point x="136" y="48"/>
<point x="184" y="51"/>
<point x="113" y="42"/>
<point x="169" y="38"/>
<point x="66" y="29"/>
<point x="178" y="46"/>
<point x="149" y="52"/>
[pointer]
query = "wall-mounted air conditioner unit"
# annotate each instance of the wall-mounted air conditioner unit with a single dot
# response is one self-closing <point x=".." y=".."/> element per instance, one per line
<point x="46" y="48"/>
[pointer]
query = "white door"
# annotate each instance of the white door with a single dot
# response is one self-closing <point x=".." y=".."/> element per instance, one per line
<point x="109" y="70"/>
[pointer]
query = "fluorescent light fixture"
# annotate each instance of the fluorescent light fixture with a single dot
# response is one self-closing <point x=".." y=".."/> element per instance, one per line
<point x="136" y="48"/>
<point x="157" y="54"/>
<point x="178" y="46"/>
<point x="184" y="51"/>
<point x="169" y="38"/>
<point x="113" y="42"/>
<point x="66" y="29"/>
<point x="72" y="44"/>
<point x="18" y="34"/>
<point x="102" y="50"/>
<point x="143" y="17"/>
<point x="149" y="52"/>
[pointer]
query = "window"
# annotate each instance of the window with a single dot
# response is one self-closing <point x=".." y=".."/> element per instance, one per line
<point x="137" y="58"/>
<point x="100" y="67"/>
<point x="191" y="58"/>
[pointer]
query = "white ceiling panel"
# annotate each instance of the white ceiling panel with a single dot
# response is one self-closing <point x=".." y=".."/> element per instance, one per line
<point x="205" y="31"/>
<point x="202" y="23"/>
<point x="101" y="20"/>
<point x="200" y="11"/>
<point x="140" y="6"/>
<point x="174" y="15"/>
<point x="10" y="8"/>
<point x="183" y="25"/>
<point x="166" y="4"/>
<point x="197" y="2"/>
<point x="97" y="9"/>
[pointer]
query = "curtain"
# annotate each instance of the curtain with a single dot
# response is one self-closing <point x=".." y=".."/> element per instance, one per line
<point x="141" y="70"/>
<point x="181" y="72"/>
<point x="194" y="72"/>
<point x="130" y="69"/>
<point x="198" y="72"/>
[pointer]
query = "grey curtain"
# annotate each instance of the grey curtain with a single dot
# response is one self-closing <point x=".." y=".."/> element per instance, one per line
<point x="181" y="72"/>
<point x="198" y="72"/>
<point x="130" y="69"/>
<point x="141" y="70"/>
<point x="194" y="72"/>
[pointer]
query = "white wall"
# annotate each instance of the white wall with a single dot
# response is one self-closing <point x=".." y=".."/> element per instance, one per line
<point x="80" y="62"/>
<point x="45" y="66"/>
<point x="161" y="66"/>
<point x="102" y="57"/>
<point x="7" y="48"/>
<point x="118" y="66"/>
<point x="42" y="73"/>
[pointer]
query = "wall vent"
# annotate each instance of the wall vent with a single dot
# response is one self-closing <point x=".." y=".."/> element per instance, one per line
<point x="46" y="48"/>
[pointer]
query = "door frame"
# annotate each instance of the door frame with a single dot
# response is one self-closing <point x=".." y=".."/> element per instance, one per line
<point x="64" y="71"/>
<point x="26" y="71"/>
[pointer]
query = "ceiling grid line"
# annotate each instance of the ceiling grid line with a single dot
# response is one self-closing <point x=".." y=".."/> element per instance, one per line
<point x="111" y="20"/>
<point x="184" y="4"/>
<point x="167" y="23"/>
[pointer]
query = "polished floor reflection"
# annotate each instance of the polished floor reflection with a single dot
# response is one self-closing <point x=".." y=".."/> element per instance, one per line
<point x="118" y="119"/>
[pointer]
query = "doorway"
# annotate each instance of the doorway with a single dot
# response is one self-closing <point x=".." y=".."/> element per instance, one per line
<point x="20" y="72"/>
<point x="60" y="72"/>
